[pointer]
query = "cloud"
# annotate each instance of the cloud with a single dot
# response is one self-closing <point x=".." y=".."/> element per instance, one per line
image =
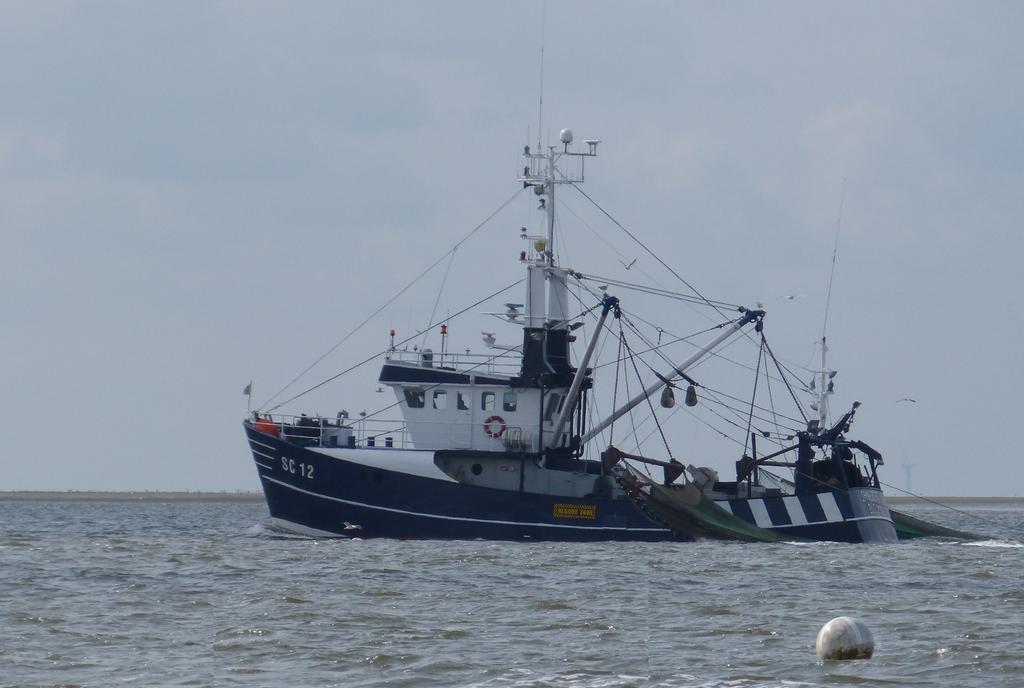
<point x="31" y="151"/>
<point x="846" y="138"/>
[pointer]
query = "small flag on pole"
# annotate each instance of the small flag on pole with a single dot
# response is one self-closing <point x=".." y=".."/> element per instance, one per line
<point x="248" y="390"/>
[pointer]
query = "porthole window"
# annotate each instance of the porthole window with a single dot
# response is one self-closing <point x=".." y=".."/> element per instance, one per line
<point x="440" y="399"/>
<point x="477" y="469"/>
<point x="414" y="397"/>
<point x="509" y="400"/>
<point x="487" y="401"/>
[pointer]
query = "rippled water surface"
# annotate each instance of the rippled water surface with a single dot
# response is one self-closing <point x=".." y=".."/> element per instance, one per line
<point x="202" y="594"/>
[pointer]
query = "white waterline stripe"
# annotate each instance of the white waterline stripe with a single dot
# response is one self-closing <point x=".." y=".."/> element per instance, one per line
<point x="266" y="446"/>
<point x="460" y="518"/>
<point x="826" y="523"/>
<point x="265" y="456"/>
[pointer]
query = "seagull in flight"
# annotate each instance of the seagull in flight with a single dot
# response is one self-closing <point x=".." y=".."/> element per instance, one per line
<point x="912" y="401"/>
<point x="628" y="266"/>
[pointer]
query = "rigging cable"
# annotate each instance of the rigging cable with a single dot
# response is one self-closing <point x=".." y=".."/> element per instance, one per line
<point x="650" y="404"/>
<point x="746" y="335"/>
<point x="699" y="420"/>
<point x="622" y="256"/>
<point x="379" y="354"/>
<point x="944" y="506"/>
<point x="390" y="301"/>
<point x="753" y="396"/>
<point x="676" y="340"/>
<point x="686" y="339"/>
<point x="615" y="390"/>
<point x="744" y="401"/>
<point x="799" y="408"/>
<point x="771" y="398"/>
<point x="644" y="247"/>
<point x="739" y="413"/>
<point x="629" y="394"/>
<point x="440" y="291"/>
<point x="656" y="291"/>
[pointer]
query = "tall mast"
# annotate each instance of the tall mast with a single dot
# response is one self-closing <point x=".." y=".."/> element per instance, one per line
<point x="549" y="190"/>
<point x="825" y="387"/>
<point x="542" y="171"/>
<point x="545" y="284"/>
<point x="546" y="332"/>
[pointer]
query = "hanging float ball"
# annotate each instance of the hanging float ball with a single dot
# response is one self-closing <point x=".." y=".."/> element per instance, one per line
<point x="845" y="638"/>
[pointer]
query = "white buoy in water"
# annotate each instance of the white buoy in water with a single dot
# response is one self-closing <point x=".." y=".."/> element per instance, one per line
<point x="845" y="638"/>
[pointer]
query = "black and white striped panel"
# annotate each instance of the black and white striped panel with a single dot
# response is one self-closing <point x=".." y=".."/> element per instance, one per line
<point x="780" y="512"/>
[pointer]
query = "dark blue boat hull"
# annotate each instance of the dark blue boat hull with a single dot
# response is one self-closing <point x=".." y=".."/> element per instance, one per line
<point x="310" y="491"/>
<point x="307" y="490"/>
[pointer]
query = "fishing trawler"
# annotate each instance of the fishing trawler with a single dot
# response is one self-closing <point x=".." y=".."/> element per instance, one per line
<point x="509" y="444"/>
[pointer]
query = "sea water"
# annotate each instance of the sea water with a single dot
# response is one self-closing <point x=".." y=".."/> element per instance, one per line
<point x="205" y="594"/>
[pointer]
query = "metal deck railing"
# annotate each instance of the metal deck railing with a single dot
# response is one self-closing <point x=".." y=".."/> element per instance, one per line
<point x="320" y="431"/>
<point x="506" y="363"/>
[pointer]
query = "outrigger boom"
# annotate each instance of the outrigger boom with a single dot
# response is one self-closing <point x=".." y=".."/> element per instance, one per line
<point x="748" y="317"/>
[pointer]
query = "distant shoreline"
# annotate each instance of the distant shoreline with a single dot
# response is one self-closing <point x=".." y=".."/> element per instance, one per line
<point x="171" y="496"/>
<point x="128" y="496"/>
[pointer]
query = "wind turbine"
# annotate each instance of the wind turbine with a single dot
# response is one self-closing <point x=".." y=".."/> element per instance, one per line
<point x="908" y="468"/>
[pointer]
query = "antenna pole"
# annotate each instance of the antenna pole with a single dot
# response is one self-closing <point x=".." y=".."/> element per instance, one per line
<point x="540" y="107"/>
<point x="824" y="392"/>
<point x="835" y="252"/>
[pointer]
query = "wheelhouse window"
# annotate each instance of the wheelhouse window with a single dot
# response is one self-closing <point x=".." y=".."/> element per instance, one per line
<point x="440" y="399"/>
<point x="552" y="406"/>
<point x="463" y="401"/>
<point x="487" y="401"/>
<point x="508" y="401"/>
<point x="414" y="397"/>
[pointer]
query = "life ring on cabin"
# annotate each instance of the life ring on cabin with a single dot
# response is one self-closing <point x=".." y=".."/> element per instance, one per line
<point x="489" y="429"/>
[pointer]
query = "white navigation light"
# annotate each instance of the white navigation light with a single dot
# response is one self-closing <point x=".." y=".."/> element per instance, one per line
<point x="566" y="136"/>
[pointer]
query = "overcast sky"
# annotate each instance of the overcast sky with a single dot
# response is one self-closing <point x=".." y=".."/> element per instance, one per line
<point x="196" y="194"/>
